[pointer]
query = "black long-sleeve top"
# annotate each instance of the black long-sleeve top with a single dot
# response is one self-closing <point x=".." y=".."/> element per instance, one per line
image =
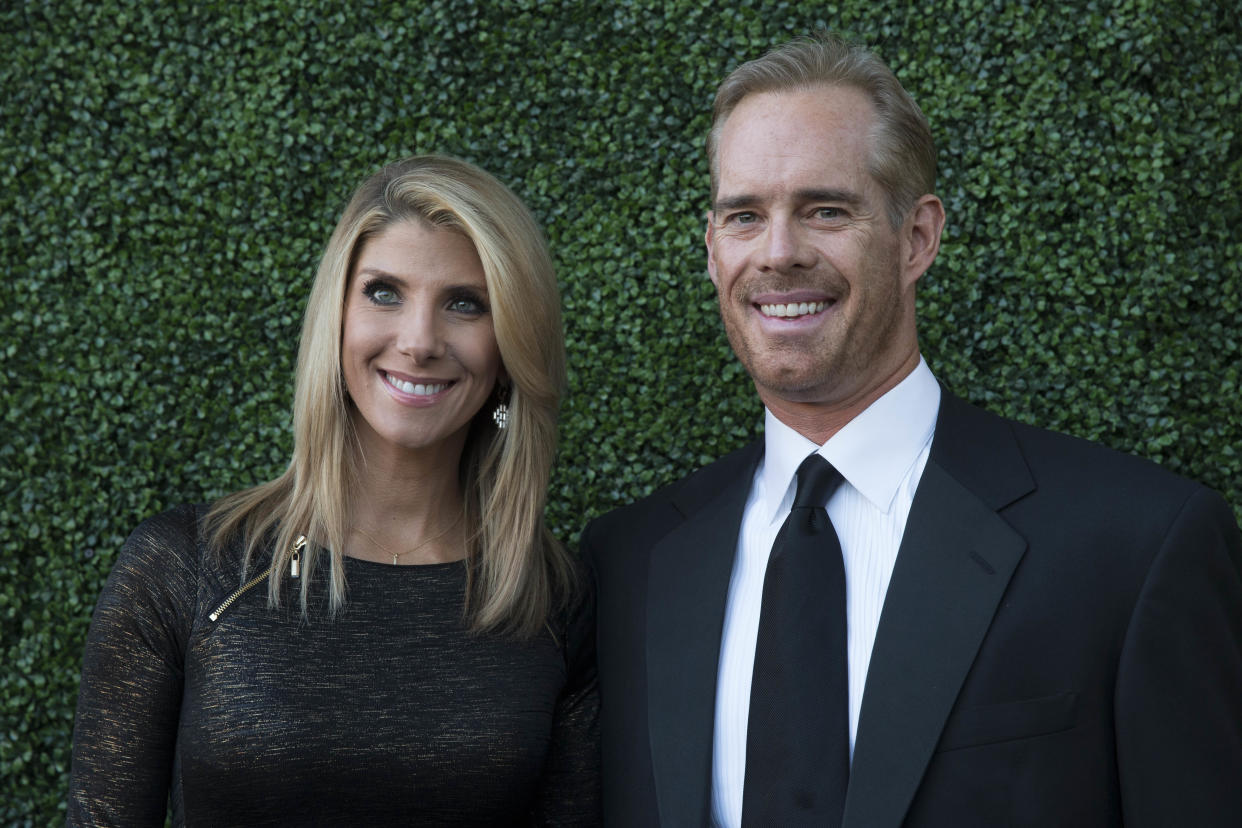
<point x="390" y="713"/>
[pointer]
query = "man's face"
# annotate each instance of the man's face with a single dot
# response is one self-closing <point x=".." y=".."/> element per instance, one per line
<point x="806" y="265"/>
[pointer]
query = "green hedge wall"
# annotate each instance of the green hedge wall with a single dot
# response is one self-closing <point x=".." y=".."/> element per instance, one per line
<point x="170" y="172"/>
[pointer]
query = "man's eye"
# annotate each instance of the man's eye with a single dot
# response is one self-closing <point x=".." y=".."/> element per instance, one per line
<point x="827" y="213"/>
<point x="742" y="218"/>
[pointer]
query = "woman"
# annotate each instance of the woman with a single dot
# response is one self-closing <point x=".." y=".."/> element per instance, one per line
<point x="386" y="633"/>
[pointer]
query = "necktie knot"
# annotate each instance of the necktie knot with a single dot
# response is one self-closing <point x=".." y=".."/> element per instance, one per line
<point x="817" y="480"/>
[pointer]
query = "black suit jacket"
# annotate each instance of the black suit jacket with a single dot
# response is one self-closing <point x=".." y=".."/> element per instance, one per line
<point x="1060" y="644"/>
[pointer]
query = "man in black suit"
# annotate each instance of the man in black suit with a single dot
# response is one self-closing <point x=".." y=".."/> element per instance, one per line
<point x="1012" y="627"/>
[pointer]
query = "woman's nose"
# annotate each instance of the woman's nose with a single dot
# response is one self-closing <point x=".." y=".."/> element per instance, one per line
<point x="420" y="336"/>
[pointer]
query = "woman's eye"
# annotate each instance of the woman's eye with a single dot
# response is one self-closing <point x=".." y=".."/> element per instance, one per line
<point x="467" y="305"/>
<point x="381" y="293"/>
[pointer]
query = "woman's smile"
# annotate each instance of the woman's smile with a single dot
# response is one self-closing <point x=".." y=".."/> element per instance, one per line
<point x="407" y="387"/>
<point x="418" y="333"/>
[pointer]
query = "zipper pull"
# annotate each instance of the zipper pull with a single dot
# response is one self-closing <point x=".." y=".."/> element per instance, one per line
<point x="295" y="564"/>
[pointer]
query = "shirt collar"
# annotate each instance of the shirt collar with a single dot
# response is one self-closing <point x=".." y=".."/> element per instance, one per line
<point x="873" y="452"/>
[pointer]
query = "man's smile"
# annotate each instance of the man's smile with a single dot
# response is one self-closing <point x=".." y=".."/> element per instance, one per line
<point x="792" y="309"/>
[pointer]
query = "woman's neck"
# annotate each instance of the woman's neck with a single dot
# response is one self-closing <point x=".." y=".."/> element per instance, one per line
<point x="408" y="508"/>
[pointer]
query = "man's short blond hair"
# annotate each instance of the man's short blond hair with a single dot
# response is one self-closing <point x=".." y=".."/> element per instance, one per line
<point x="903" y="155"/>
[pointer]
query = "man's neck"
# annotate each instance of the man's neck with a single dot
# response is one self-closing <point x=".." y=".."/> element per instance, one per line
<point x="819" y="421"/>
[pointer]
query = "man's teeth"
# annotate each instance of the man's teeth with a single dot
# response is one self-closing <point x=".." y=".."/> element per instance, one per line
<point x="793" y="308"/>
<point x="417" y="388"/>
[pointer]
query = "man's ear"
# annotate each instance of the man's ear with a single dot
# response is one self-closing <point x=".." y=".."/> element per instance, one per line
<point x="711" y="257"/>
<point x="920" y="238"/>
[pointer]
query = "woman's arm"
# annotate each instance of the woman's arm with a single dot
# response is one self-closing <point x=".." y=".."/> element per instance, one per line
<point x="125" y="729"/>
<point x="570" y="789"/>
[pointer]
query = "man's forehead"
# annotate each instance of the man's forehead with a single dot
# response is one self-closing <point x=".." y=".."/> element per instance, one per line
<point x="830" y="105"/>
<point x="797" y="144"/>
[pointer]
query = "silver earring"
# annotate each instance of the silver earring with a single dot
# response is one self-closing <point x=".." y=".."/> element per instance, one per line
<point x="501" y="415"/>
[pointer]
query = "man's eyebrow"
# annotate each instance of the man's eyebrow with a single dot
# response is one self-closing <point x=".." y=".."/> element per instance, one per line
<point x="734" y="203"/>
<point x="839" y="196"/>
<point x="739" y="202"/>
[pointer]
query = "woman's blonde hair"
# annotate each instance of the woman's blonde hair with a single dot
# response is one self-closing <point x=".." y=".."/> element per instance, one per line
<point x="518" y="573"/>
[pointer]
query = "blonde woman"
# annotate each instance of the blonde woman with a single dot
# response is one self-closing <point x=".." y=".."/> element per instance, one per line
<point x="386" y="633"/>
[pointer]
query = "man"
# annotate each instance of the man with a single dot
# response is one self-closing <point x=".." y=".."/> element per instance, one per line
<point x="1011" y="627"/>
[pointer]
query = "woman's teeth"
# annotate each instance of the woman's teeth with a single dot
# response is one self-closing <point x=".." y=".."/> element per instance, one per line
<point x="417" y="388"/>
<point x="792" y="309"/>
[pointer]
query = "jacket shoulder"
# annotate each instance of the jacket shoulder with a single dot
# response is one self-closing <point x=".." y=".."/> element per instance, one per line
<point x="659" y="511"/>
<point x="985" y="450"/>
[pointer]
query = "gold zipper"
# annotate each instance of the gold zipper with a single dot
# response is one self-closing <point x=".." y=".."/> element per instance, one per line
<point x="237" y="593"/>
<point x="294" y="567"/>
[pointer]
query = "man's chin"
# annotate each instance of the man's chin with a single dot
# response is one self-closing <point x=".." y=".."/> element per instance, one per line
<point x="793" y="386"/>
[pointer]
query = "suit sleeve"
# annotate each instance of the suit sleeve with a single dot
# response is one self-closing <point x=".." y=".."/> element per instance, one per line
<point x="125" y="728"/>
<point x="1179" y="682"/>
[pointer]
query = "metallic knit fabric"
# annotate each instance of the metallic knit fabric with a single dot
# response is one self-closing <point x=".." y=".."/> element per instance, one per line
<point x="390" y="713"/>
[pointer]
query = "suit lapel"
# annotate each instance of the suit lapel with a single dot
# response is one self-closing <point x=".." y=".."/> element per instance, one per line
<point x="689" y="584"/>
<point x="954" y="564"/>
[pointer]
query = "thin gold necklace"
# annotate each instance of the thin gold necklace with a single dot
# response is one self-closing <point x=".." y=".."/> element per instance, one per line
<point x="396" y="556"/>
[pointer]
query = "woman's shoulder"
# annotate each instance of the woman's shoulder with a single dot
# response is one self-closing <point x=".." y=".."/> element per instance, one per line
<point x="177" y="523"/>
<point x="153" y="585"/>
<point x="170" y="540"/>
<point x="173" y="551"/>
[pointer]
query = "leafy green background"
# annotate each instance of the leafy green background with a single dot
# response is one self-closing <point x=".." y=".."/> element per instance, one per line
<point x="170" y="172"/>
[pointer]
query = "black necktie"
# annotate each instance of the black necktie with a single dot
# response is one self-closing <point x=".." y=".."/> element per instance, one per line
<point x="797" y="738"/>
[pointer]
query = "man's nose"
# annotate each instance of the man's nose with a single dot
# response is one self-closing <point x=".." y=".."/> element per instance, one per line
<point x="785" y="246"/>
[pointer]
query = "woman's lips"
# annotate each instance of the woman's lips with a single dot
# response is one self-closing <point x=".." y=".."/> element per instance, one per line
<point x="417" y="387"/>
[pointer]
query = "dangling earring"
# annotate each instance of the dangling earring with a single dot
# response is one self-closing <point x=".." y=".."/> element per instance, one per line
<point x="501" y="415"/>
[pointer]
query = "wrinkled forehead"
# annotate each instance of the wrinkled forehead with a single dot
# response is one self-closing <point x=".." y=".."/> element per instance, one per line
<point x="817" y="138"/>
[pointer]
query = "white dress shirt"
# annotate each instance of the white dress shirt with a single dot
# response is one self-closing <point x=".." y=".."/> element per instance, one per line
<point x="881" y="454"/>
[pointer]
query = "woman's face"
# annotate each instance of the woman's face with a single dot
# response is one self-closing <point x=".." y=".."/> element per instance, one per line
<point x="418" y="348"/>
